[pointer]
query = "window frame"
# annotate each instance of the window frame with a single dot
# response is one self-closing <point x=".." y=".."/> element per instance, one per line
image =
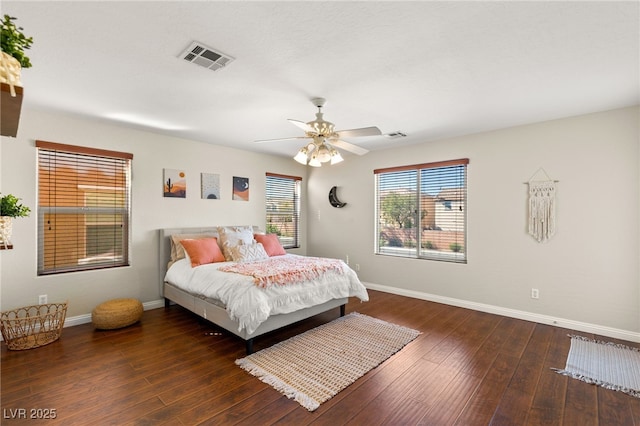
<point x="295" y="201"/>
<point x="118" y="206"/>
<point x="419" y="198"/>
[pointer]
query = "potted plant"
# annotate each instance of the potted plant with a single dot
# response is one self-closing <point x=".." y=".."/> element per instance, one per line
<point x="10" y="207"/>
<point x="13" y="43"/>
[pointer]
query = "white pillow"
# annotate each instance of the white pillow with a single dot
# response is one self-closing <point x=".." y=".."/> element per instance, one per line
<point x="249" y="253"/>
<point x="232" y="236"/>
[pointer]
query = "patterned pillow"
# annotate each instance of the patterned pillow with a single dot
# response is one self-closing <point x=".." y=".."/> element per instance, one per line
<point x="249" y="253"/>
<point x="232" y="236"/>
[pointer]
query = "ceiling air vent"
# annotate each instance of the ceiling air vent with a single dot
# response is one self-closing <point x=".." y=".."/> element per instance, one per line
<point x="394" y="135"/>
<point x="204" y="56"/>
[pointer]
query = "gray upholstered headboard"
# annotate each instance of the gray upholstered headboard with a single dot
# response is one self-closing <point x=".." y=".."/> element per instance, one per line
<point x="165" y="243"/>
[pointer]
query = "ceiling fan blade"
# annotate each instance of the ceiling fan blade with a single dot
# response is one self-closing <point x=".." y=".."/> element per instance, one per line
<point x="364" y="131"/>
<point x="348" y="146"/>
<point x="281" y="139"/>
<point x="304" y="126"/>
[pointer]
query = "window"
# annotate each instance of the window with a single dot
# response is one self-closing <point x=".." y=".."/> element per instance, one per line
<point x="283" y="208"/>
<point x="84" y="208"/>
<point x="421" y="211"/>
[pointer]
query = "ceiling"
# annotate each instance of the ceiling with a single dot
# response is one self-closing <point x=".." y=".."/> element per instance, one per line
<point x="431" y="70"/>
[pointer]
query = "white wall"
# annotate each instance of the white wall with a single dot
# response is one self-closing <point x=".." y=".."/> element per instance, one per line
<point x="19" y="283"/>
<point x="587" y="273"/>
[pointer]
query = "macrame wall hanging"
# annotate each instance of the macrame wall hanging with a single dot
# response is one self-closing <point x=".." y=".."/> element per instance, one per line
<point x="542" y="206"/>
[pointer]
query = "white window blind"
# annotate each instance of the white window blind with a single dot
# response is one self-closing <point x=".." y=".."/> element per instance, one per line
<point x="421" y="211"/>
<point x="84" y="208"/>
<point x="283" y="208"/>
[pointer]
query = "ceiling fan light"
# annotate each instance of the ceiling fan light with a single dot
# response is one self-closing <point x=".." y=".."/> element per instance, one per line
<point x="323" y="137"/>
<point x="323" y="153"/>
<point x="301" y="156"/>
<point x="336" y="157"/>
<point x="315" y="162"/>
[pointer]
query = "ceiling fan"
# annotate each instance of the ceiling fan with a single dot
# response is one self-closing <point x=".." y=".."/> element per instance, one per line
<point x="325" y="139"/>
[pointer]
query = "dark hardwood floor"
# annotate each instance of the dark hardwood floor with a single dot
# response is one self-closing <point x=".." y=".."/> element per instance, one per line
<point x="466" y="368"/>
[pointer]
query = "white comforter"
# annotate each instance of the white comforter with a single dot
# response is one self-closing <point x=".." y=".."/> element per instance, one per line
<point x="251" y="305"/>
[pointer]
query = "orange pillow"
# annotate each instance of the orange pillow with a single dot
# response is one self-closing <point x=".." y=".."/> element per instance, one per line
<point x="203" y="251"/>
<point x="271" y="244"/>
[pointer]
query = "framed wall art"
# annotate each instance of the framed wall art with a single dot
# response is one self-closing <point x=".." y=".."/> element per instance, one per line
<point x="240" y="188"/>
<point x="175" y="183"/>
<point x="210" y="183"/>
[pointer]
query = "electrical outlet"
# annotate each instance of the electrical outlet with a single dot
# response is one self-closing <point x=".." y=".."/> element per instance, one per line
<point x="535" y="293"/>
<point x="42" y="299"/>
<point x="357" y="267"/>
<point x="347" y="260"/>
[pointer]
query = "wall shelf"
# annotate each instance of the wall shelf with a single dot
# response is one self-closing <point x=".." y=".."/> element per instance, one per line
<point x="10" y="109"/>
<point x="7" y="247"/>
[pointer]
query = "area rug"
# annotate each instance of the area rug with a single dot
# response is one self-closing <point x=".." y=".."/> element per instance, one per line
<point x="610" y="365"/>
<point x="314" y="366"/>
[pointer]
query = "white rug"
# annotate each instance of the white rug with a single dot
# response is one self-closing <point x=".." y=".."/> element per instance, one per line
<point x="314" y="366"/>
<point x="610" y="365"/>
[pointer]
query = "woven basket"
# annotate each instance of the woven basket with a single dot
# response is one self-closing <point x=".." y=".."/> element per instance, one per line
<point x="33" y="326"/>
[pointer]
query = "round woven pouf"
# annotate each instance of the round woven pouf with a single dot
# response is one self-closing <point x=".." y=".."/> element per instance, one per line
<point x="116" y="313"/>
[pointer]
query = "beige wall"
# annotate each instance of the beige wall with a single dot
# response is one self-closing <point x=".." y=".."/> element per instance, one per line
<point x="19" y="283"/>
<point x="587" y="273"/>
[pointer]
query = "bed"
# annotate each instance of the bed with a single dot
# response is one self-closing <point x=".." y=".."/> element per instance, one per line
<point x="247" y="305"/>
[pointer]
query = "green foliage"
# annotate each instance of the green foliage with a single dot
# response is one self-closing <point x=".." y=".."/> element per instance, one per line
<point x="272" y="229"/>
<point x="10" y="206"/>
<point x="399" y="209"/>
<point x="14" y="42"/>
<point x="409" y="244"/>
<point x="428" y="245"/>
<point x="455" y="247"/>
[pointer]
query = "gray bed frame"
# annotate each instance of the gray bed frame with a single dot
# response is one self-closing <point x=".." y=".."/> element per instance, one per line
<point x="214" y="312"/>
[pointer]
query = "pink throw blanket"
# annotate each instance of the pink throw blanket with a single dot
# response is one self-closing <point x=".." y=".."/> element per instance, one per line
<point x="285" y="270"/>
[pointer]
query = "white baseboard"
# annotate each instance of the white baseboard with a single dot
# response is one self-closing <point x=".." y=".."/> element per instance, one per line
<point x="86" y="318"/>
<point x="513" y="313"/>
<point x="498" y="310"/>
